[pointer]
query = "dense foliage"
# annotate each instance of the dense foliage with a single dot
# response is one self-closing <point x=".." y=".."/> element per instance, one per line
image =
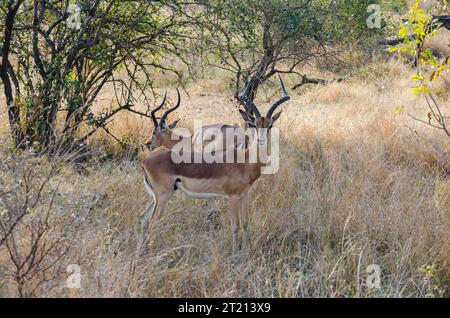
<point x="58" y="56"/>
<point x="259" y="38"/>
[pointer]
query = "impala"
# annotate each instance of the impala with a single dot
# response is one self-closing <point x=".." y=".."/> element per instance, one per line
<point x="162" y="177"/>
<point x="163" y="134"/>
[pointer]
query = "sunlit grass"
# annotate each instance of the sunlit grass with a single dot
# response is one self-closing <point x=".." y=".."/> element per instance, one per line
<point x="358" y="184"/>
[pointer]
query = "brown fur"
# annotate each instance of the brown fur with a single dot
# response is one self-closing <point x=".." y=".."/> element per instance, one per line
<point x="165" y="137"/>
<point x="231" y="180"/>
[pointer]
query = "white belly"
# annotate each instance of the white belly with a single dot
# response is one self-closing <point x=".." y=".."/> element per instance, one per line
<point x="198" y="194"/>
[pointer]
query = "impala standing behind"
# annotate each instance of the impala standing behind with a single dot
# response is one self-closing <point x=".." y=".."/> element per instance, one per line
<point x="162" y="176"/>
<point x="163" y="134"/>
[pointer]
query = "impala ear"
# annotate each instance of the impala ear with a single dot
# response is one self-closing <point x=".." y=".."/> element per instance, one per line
<point x="276" y="116"/>
<point x="173" y="124"/>
<point x="247" y="117"/>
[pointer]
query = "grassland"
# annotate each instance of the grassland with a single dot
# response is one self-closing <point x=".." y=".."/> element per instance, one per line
<point x="359" y="184"/>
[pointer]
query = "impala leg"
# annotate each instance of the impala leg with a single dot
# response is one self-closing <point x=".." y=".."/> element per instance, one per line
<point x="148" y="212"/>
<point x="154" y="210"/>
<point x="147" y="215"/>
<point x="243" y="212"/>
<point x="162" y="199"/>
<point x="234" y="218"/>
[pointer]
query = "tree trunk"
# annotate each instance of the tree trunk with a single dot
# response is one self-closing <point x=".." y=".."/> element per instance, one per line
<point x="261" y="74"/>
<point x="13" y="109"/>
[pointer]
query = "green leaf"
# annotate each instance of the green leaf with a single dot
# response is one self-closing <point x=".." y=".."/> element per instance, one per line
<point x="403" y="32"/>
<point x="399" y="110"/>
<point x="393" y="49"/>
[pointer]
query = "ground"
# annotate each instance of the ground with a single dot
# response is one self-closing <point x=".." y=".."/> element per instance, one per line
<point x="360" y="185"/>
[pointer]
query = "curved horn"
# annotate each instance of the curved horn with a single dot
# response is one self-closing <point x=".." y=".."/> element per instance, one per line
<point x="244" y="97"/>
<point x="283" y="99"/>
<point x="164" y="116"/>
<point x="153" y="112"/>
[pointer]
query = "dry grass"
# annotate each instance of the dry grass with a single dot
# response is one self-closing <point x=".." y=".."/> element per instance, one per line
<point x="439" y="44"/>
<point x="356" y="187"/>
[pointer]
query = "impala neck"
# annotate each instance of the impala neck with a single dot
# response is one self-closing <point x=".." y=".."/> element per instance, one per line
<point x="170" y="139"/>
<point x="255" y="167"/>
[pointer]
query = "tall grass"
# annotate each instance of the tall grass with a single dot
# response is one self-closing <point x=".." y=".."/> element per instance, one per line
<point x="358" y="185"/>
